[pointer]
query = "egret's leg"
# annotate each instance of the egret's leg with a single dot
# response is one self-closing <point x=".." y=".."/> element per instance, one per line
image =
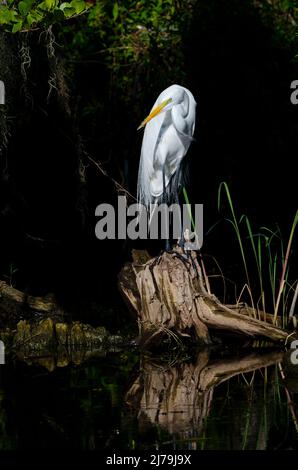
<point x="167" y="242"/>
<point x="181" y="240"/>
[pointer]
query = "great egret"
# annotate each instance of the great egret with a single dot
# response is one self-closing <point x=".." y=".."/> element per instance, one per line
<point x="168" y="134"/>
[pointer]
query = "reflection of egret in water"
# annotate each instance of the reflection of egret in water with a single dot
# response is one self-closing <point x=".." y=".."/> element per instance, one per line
<point x="179" y="400"/>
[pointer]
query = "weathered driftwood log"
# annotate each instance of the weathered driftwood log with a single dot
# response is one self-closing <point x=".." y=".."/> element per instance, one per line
<point x="179" y="397"/>
<point x="13" y="302"/>
<point x="168" y="293"/>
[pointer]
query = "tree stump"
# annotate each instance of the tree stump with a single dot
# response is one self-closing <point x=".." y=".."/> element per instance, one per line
<point x="168" y="296"/>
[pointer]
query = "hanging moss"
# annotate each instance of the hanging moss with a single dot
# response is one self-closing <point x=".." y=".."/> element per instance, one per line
<point x="9" y="76"/>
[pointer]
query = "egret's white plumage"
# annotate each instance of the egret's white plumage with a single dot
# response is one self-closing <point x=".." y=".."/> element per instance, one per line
<point x="167" y="137"/>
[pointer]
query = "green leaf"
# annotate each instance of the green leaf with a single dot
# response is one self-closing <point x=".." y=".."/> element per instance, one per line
<point x="17" y="26"/>
<point x="6" y="16"/>
<point x="34" y="17"/>
<point x="64" y="5"/>
<point x="78" y="5"/>
<point x="69" y="11"/>
<point x="42" y="6"/>
<point x="50" y="4"/>
<point x="115" y="11"/>
<point x="24" y="7"/>
<point x="30" y="20"/>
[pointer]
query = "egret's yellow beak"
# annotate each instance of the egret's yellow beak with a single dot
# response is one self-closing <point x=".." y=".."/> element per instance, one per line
<point x="155" y="112"/>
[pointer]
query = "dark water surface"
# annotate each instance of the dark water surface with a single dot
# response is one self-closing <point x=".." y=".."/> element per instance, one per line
<point x="125" y="401"/>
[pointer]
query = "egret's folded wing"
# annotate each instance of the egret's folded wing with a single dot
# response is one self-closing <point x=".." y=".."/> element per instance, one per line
<point x="147" y="160"/>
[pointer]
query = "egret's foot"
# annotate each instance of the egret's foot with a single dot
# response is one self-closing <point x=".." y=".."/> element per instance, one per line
<point x="157" y="259"/>
<point x="167" y="246"/>
<point x="186" y="257"/>
<point x="181" y="243"/>
<point x="183" y="258"/>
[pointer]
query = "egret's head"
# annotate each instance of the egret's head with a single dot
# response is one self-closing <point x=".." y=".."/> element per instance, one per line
<point x="173" y="95"/>
<point x="155" y="111"/>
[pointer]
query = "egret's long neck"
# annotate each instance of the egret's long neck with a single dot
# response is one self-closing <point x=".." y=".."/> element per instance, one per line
<point x="179" y="113"/>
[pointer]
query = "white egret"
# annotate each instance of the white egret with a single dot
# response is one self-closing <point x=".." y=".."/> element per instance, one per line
<point x="168" y="134"/>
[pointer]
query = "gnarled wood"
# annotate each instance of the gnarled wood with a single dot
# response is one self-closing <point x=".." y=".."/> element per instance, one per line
<point x="168" y="293"/>
<point x="13" y="299"/>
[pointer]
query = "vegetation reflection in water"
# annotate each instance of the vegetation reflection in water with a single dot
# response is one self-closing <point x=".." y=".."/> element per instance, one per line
<point x="124" y="401"/>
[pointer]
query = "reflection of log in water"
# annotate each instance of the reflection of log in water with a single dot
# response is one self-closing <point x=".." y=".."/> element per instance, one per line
<point x="171" y="396"/>
<point x="55" y="344"/>
<point x="179" y="398"/>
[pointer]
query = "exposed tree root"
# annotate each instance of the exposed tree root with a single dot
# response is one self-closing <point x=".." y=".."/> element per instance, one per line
<point x="168" y="293"/>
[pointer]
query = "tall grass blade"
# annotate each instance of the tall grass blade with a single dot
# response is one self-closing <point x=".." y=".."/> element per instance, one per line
<point x="186" y="198"/>
<point x="233" y="221"/>
<point x="285" y="265"/>
<point x="294" y="301"/>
